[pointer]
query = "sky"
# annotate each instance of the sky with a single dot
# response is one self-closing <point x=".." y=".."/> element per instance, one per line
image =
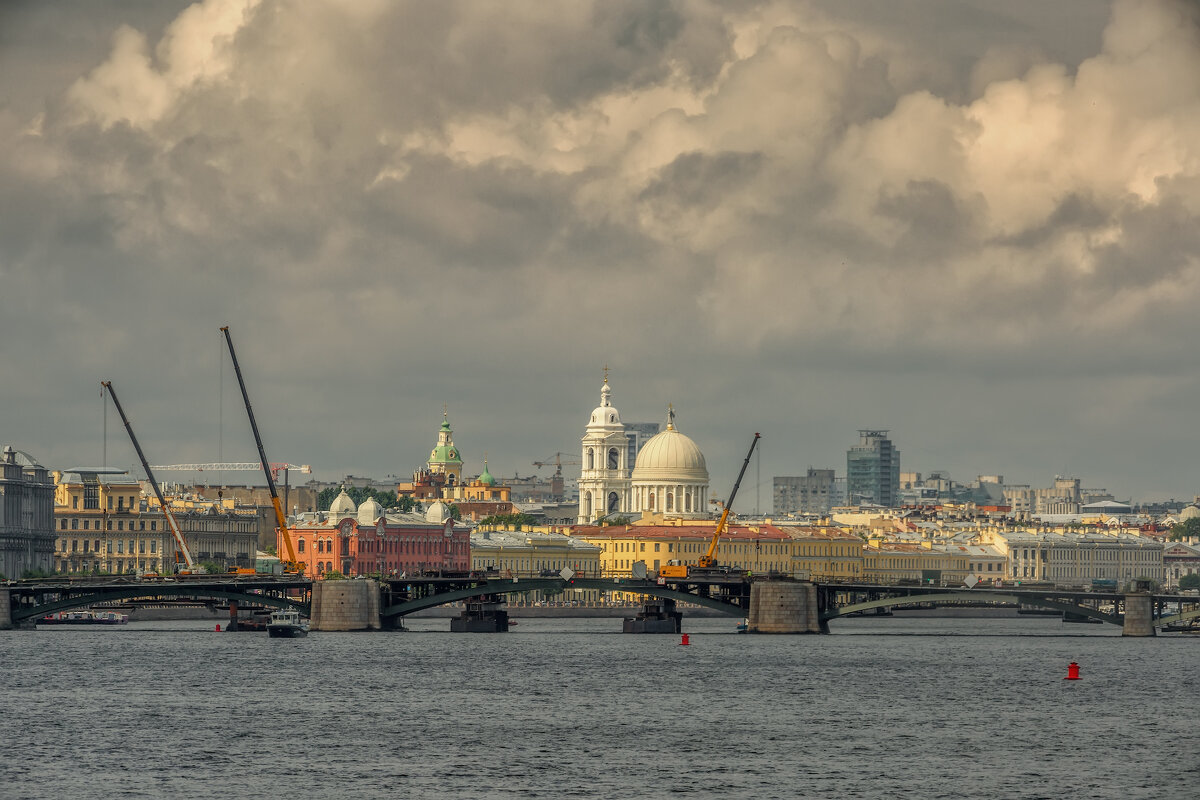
<point x="970" y="223"/>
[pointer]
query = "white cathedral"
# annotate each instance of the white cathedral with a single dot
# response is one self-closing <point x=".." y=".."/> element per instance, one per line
<point x="669" y="478"/>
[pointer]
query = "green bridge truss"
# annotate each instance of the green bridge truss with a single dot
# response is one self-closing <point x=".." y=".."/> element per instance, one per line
<point x="521" y="585"/>
<point x="24" y="613"/>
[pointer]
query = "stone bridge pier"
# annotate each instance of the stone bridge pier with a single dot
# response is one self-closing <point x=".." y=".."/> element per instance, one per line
<point x="6" y="623"/>
<point x="1139" y="615"/>
<point x="784" y="607"/>
<point x="351" y="605"/>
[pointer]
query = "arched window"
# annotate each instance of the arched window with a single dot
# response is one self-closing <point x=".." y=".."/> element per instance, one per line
<point x="591" y="458"/>
<point x="587" y="501"/>
<point x="670" y="501"/>
<point x="687" y="501"/>
<point x="300" y="546"/>
<point x="613" y="458"/>
<point x="650" y="502"/>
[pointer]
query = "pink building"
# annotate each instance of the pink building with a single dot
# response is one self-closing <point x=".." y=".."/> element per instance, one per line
<point x="368" y="541"/>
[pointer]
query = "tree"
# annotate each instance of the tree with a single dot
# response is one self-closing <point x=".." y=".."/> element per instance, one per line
<point x="517" y="521"/>
<point x="1185" y="529"/>
<point x="359" y="495"/>
<point x="455" y="512"/>
<point x="1191" y="581"/>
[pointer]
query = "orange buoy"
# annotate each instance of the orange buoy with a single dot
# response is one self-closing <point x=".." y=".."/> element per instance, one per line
<point x="685" y="640"/>
<point x="1072" y="672"/>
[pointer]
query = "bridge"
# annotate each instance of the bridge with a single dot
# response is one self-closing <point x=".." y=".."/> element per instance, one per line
<point x="770" y="605"/>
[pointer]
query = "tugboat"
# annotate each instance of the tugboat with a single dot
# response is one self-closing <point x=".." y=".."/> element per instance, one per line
<point x="286" y="625"/>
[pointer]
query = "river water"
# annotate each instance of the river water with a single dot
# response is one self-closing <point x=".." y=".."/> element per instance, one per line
<point x="898" y="708"/>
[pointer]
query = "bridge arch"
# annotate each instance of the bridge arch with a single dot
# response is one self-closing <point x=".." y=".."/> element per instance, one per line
<point x="26" y="613"/>
<point x="539" y="584"/>
<point x="942" y="597"/>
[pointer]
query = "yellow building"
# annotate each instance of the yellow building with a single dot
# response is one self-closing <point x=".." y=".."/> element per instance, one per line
<point x="825" y="554"/>
<point x="904" y="562"/>
<point x="102" y="524"/>
<point x="655" y="541"/>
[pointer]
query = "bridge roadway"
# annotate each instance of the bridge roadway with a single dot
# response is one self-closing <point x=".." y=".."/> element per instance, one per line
<point x="23" y="602"/>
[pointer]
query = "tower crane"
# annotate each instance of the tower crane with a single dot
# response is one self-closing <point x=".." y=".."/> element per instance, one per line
<point x="291" y="565"/>
<point x="234" y="466"/>
<point x="557" y="462"/>
<point x="181" y="549"/>
<point x="708" y="561"/>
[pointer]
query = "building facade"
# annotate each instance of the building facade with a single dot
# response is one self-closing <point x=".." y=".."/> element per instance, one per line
<point x="873" y="470"/>
<point x="365" y="540"/>
<point x="804" y="494"/>
<point x="26" y="515"/>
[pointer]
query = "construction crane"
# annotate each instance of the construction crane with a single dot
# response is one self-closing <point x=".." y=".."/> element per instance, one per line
<point x="182" y="553"/>
<point x="233" y="466"/>
<point x="557" y="462"/>
<point x="291" y="564"/>
<point x="708" y="561"/>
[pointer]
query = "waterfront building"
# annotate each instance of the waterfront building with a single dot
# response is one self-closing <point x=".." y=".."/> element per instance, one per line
<point x="103" y="523"/>
<point x="1180" y="559"/>
<point x="367" y="540"/>
<point x="1069" y="558"/>
<point x="873" y="470"/>
<point x="656" y="540"/>
<point x="531" y="552"/>
<point x="902" y="562"/>
<point x="26" y="515"/>
<point x="823" y="553"/>
<point x="808" y="494"/>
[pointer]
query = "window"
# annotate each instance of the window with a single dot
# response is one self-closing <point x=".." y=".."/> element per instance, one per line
<point x="656" y="547"/>
<point x="153" y="524"/>
<point x="120" y="547"/>
<point x="300" y="546"/>
<point x="643" y="548"/>
<point x="108" y="525"/>
<point x="85" y="545"/>
<point x="142" y="546"/>
<point x="142" y="525"/>
<point x="153" y="545"/>
<point x="74" y="524"/>
<point x="75" y="502"/>
<point x="121" y="525"/>
<point x="62" y="524"/>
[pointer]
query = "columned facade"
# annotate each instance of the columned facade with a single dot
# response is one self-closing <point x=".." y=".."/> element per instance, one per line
<point x="604" y="477"/>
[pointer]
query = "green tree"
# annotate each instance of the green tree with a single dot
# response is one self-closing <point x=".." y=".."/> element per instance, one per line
<point x="1185" y="529"/>
<point x="517" y="521"/>
<point x="211" y="567"/>
<point x="455" y="512"/>
<point x="1190" y="581"/>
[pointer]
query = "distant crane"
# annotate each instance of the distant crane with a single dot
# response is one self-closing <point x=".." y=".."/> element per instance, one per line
<point x="557" y="462"/>
<point x="557" y="485"/>
<point x="234" y="466"/>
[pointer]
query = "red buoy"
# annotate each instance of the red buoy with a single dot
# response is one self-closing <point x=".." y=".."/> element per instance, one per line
<point x="1072" y="672"/>
<point x="685" y="640"/>
<point x="218" y="627"/>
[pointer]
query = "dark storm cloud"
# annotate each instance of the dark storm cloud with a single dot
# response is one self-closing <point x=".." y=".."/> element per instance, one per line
<point x="884" y="213"/>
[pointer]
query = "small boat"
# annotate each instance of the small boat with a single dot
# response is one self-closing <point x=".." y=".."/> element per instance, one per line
<point x="286" y="625"/>
<point x="743" y="626"/>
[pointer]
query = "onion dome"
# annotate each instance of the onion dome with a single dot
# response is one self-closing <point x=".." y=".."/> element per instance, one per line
<point x="485" y="477"/>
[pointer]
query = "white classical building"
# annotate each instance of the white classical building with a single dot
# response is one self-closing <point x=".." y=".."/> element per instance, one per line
<point x="669" y="478"/>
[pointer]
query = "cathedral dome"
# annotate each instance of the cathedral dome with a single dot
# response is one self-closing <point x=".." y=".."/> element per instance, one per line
<point x="369" y="512"/>
<point x="605" y="415"/>
<point x="670" y="455"/>
<point x="342" y="506"/>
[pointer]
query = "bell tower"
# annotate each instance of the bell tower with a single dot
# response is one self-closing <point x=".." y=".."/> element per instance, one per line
<point x="604" y="477"/>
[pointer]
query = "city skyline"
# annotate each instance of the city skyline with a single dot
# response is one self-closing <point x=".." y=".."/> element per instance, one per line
<point x="967" y="224"/>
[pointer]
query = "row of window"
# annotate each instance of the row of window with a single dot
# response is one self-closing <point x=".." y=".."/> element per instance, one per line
<point x="95" y="524"/>
<point x="91" y="501"/>
<point x="94" y="545"/>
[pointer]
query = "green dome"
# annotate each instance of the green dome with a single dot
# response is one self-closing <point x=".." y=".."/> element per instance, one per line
<point x="445" y="454"/>
<point x="485" y="477"/>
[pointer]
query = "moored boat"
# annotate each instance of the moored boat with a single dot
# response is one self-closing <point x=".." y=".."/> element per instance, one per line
<point x="87" y="617"/>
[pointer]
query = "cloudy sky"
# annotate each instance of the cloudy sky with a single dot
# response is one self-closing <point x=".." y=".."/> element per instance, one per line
<point x="972" y="223"/>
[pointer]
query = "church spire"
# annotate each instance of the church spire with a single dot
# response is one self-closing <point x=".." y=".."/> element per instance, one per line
<point x="670" y="417"/>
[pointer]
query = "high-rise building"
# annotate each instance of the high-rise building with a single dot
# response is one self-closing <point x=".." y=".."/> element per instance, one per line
<point x="872" y="470"/>
<point x="804" y="494"/>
